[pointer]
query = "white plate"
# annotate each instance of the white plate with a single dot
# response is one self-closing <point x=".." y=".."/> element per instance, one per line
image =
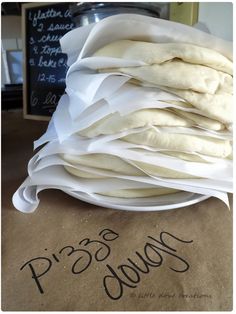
<point x="157" y="203"/>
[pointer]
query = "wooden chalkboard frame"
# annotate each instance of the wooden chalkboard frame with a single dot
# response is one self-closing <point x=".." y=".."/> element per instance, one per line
<point x="25" y="71"/>
<point x="25" y="7"/>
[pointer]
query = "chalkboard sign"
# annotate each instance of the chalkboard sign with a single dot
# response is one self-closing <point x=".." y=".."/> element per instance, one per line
<point x="44" y="64"/>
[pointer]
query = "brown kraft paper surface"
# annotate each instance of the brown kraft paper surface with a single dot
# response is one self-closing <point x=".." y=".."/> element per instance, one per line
<point x="72" y="256"/>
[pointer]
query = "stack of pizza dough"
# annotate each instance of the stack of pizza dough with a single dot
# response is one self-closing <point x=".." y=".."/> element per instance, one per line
<point x="194" y="129"/>
<point x="146" y="119"/>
